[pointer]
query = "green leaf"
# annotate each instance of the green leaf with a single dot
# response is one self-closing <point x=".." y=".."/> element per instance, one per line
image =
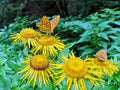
<point x="14" y="66"/>
<point x="86" y="36"/>
<point x="69" y="45"/>
<point x="110" y="87"/>
<point x="103" y="44"/>
<point x="103" y="35"/>
<point x="84" y="39"/>
<point x="67" y="48"/>
<point x="4" y="84"/>
<point x="83" y="47"/>
<point x="86" y="25"/>
<point x="117" y="76"/>
<point x="2" y="72"/>
<point x="3" y="58"/>
<point x="87" y="33"/>
<point x="104" y="25"/>
<point x="64" y="87"/>
<point x="72" y="23"/>
<point x="116" y="22"/>
<point x="114" y="30"/>
<point x="113" y="37"/>
<point x="14" y="81"/>
<point x="87" y="51"/>
<point x="117" y="48"/>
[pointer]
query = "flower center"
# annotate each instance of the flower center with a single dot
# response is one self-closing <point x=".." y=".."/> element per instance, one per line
<point x="28" y="33"/>
<point x="39" y="62"/>
<point x="101" y="63"/>
<point x="75" y="68"/>
<point x="47" y="40"/>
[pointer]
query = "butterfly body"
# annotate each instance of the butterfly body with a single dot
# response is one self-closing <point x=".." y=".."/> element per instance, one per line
<point x="101" y="55"/>
<point x="46" y="25"/>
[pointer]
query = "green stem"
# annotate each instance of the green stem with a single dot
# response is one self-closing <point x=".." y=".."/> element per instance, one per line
<point x="95" y="38"/>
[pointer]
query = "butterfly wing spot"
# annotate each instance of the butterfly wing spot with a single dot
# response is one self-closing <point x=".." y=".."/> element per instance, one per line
<point x="44" y="24"/>
<point x="48" y="26"/>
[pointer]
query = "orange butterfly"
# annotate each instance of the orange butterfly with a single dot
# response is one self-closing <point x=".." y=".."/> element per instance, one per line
<point x="46" y="25"/>
<point x="101" y="55"/>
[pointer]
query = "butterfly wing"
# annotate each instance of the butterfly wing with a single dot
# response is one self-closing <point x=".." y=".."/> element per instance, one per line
<point x="54" y="22"/>
<point x="44" y="25"/>
<point x="102" y="55"/>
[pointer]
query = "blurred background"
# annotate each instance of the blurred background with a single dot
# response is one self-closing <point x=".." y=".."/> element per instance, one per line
<point x="10" y="9"/>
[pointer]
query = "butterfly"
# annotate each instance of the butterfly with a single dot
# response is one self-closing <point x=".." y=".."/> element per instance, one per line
<point x="101" y="55"/>
<point x="46" y="25"/>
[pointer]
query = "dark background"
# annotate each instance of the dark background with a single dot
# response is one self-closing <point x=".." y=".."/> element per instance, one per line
<point x="10" y="9"/>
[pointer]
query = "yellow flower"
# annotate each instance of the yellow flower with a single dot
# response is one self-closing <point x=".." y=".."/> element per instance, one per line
<point x="75" y="71"/>
<point x="107" y="66"/>
<point x="27" y="35"/>
<point x="37" y="67"/>
<point x="48" y="45"/>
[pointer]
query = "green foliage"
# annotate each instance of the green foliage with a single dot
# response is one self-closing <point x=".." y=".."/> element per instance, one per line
<point x="84" y="36"/>
<point x="97" y="31"/>
<point x="11" y="55"/>
<point x="18" y="24"/>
